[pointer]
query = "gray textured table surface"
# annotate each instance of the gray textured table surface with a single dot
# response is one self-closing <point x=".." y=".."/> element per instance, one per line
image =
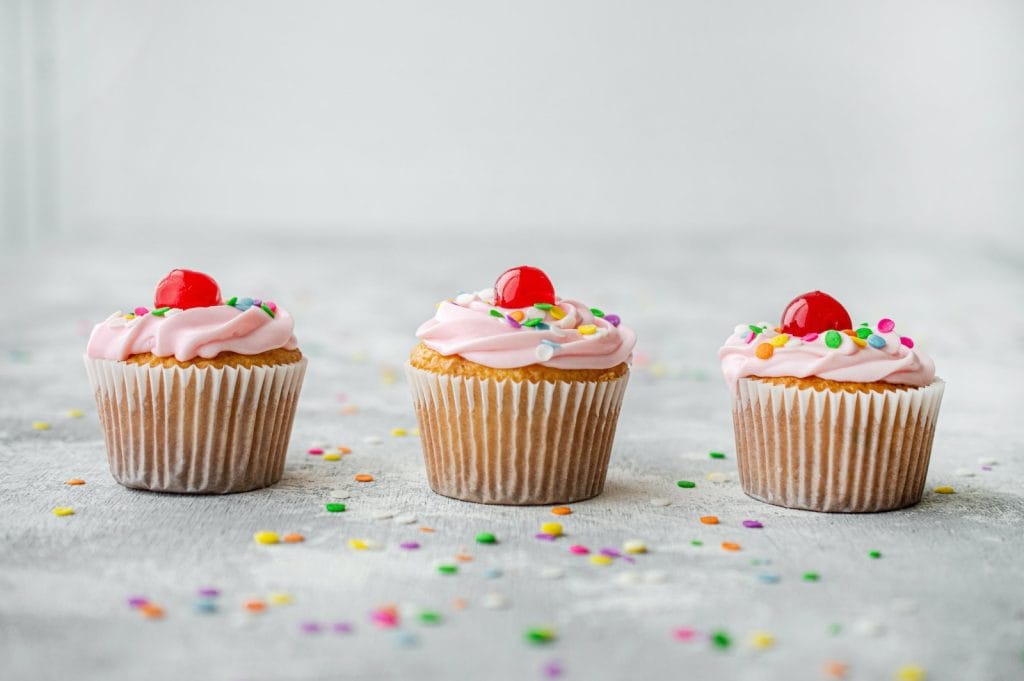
<point x="946" y="595"/>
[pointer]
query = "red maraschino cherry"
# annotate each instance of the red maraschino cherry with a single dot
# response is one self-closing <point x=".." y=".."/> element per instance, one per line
<point x="522" y="287"/>
<point x="185" y="289"/>
<point x="814" y="312"/>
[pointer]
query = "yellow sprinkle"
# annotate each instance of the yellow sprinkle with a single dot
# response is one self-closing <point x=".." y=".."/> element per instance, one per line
<point x="762" y="640"/>
<point x="40" y="425"/>
<point x="634" y="546"/>
<point x="780" y="340"/>
<point x="358" y="544"/>
<point x="944" y="489"/>
<point x="75" y="413"/>
<point x="332" y="457"/>
<point x="130" y="315"/>
<point x="659" y="370"/>
<point x="587" y="329"/>
<point x="280" y="598"/>
<point x="399" y="432"/>
<point x="860" y="342"/>
<point x="910" y="672"/>
<point x="557" y="312"/>
<point x="265" y="537"/>
<point x="63" y="511"/>
<point x="554" y="529"/>
<point x="600" y="559"/>
<point x="415" y="432"/>
<point x="517" y="315"/>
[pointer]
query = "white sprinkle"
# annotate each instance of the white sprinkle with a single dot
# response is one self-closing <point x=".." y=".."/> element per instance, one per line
<point x="987" y="461"/>
<point x="545" y="352"/>
<point x="868" y="628"/>
<point x="718" y="477"/>
<point x="552" y="573"/>
<point x="659" y="501"/>
<point x="634" y="546"/>
<point x="405" y="519"/>
<point x="339" y="494"/>
<point x="494" y="601"/>
<point x="382" y="515"/>
<point x="964" y="472"/>
<point x="373" y="440"/>
<point x="464" y="298"/>
<point x="629" y="578"/>
<point x="486" y="295"/>
<point x="655" y="576"/>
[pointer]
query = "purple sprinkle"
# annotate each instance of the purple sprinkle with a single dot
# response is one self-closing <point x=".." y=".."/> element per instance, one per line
<point x="410" y="545"/>
<point x="553" y="670"/>
<point x="311" y="627"/>
<point x="611" y="553"/>
<point x="986" y="468"/>
<point x="208" y="593"/>
<point x="342" y="628"/>
<point x="544" y="536"/>
<point x="257" y="302"/>
<point x="137" y="601"/>
<point x="612" y="319"/>
<point x="512" y="322"/>
<point x="752" y="524"/>
<point x="628" y="559"/>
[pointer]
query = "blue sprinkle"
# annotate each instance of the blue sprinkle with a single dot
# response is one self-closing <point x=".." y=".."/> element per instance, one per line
<point x="768" y="578"/>
<point x="493" y="573"/>
<point x="542" y="327"/>
<point x="876" y="341"/>
<point x="244" y="303"/>
<point x="206" y="605"/>
<point x="405" y="639"/>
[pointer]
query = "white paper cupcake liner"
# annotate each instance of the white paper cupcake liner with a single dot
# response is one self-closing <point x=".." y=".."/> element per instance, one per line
<point x="512" y="442"/>
<point x="834" y="451"/>
<point x="196" y="430"/>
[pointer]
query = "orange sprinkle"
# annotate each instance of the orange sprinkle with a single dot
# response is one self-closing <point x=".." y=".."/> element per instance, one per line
<point x="834" y="669"/>
<point x="730" y="546"/>
<point x="850" y="332"/>
<point x="764" y="351"/>
<point x="345" y="450"/>
<point x="255" y="606"/>
<point x="75" y="481"/>
<point x="294" y="538"/>
<point x="709" y="519"/>
<point x="459" y="603"/>
<point x="517" y="315"/>
<point x="463" y="557"/>
<point x="364" y="477"/>
<point x="778" y="329"/>
<point x="151" y="610"/>
<point x="859" y="342"/>
<point x="561" y="510"/>
<point x="426" y="529"/>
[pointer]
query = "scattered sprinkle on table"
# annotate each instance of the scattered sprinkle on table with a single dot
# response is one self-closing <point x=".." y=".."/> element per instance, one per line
<point x="486" y="538"/>
<point x="399" y="432"/>
<point x="579" y="549"/>
<point x="315" y="451"/>
<point x="811" y="576"/>
<point x="601" y="559"/>
<point x="266" y="537"/>
<point x="709" y="519"/>
<point x="280" y="598"/>
<point x="686" y="484"/>
<point x="660" y="502"/>
<point x="75" y="413"/>
<point x="834" y="669"/>
<point x="762" y="640"/>
<point x="364" y="477"/>
<point x="448" y="569"/>
<point x="696" y="542"/>
<point x="409" y="545"/>
<point x="554" y="529"/>
<point x="717" y="476"/>
<point x="634" y="546"/>
<point x="334" y="507"/>
<point x="463" y="558"/>
<point x="494" y="601"/>
<point x="205" y="606"/>
<point x="540" y="635"/>
<point x="561" y="510"/>
<point x="752" y="524"/>
<point x="768" y="578"/>
<point x="720" y="640"/>
<point x="730" y="546"/>
<point x="405" y="519"/>
<point x="75" y="481"/>
<point x="151" y="611"/>
<point x="430" y="617"/>
<point x="373" y="440"/>
<point x="874" y="554"/>
<point x="40" y="425"/>
<point x="910" y="672"/>
<point x="254" y="606"/>
<point x="61" y="511"/>
<point x="332" y="457"/>
<point x="359" y="544"/>
<point x="684" y="633"/>
<point x="716" y="455"/>
<point x="944" y="489"/>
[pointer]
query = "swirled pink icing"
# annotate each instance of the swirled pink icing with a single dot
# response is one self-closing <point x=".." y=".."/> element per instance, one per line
<point x="896" y="361"/>
<point x="203" y="332"/>
<point x="466" y="326"/>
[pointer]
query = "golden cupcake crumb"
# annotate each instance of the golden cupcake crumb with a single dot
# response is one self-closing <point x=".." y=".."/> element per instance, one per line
<point x="224" y="359"/>
<point x="426" y="359"/>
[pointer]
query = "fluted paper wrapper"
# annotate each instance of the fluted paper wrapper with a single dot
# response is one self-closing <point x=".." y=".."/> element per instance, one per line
<point x="512" y="442"/>
<point x="196" y="430"/>
<point x="834" y="451"/>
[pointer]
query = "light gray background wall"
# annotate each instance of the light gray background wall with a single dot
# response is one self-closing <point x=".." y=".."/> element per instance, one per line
<point x="573" y="115"/>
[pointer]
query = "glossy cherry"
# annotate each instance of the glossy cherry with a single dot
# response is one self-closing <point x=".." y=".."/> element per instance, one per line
<point x="814" y="312"/>
<point x="522" y="287"/>
<point x="186" y="289"/>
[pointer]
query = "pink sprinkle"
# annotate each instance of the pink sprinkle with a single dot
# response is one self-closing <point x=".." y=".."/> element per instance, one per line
<point x="579" y="549"/>
<point x="750" y="337"/>
<point x="810" y="337"/>
<point x="885" y="325"/>
<point x="315" y="451"/>
<point x="272" y="306"/>
<point x="544" y="536"/>
<point x="752" y="524"/>
<point x="410" y="545"/>
<point x="385" y="619"/>
<point x="685" y="634"/>
<point x="139" y="311"/>
<point x="909" y="342"/>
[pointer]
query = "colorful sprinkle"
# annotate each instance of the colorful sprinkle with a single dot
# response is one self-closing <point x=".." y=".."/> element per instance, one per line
<point x="768" y="578"/>
<point x="160" y="311"/>
<point x="579" y="549"/>
<point x="540" y="635"/>
<point x="720" y="640"/>
<point x="399" y="432"/>
<point x="561" y="510"/>
<point x="266" y="537"/>
<point x="613" y="319"/>
<point x="151" y="611"/>
<point x="730" y="546"/>
<point x="557" y="312"/>
<point x="716" y="455"/>
<point x="752" y="524"/>
<point x="364" y="477"/>
<point x="496" y="313"/>
<point x="75" y="481"/>
<point x="532" y="321"/>
<point x="544" y="352"/>
<point x="430" y="617"/>
<point x="910" y="672"/>
<point x="907" y="341"/>
<point x="448" y="569"/>
<point x="359" y="544"/>
<point x="332" y="457"/>
<point x="333" y="507"/>
<point x="886" y="325"/>
<point x="944" y="489"/>
<point x="587" y="329"/>
<point x="486" y="538"/>
<point x="811" y="577"/>
<point x="686" y="484"/>
<point x="833" y="339"/>
<point x="762" y="640"/>
<point x="293" y="538"/>
<point x="876" y="341"/>
<point x="684" y="633"/>
<point x="543" y="306"/>
<point x="709" y="519"/>
<point x="517" y="315"/>
<point x="554" y="529"/>
<point x="834" y="669"/>
<point x="863" y="332"/>
<point x="810" y="338"/>
<point x="634" y="546"/>
<point x="255" y="606"/>
<point x="601" y="559"/>
<point x="764" y="350"/>
<point x="513" y="322"/>
<point x="40" y="425"/>
<point x="859" y="342"/>
<point x="315" y="451"/>
<point x="61" y="511"/>
<point x="779" y="341"/>
<point x="409" y="545"/>
<point x="874" y="554"/>
<point x="596" y="312"/>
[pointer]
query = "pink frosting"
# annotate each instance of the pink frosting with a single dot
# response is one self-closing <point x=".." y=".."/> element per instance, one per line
<point x="892" y="363"/>
<point x="466" y="327"/>
<point x="198" y="332"/>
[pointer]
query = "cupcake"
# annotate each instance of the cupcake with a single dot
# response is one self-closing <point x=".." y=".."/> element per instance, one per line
<point x="518" y="391"/>
<point x="196" y="395"/>
<point x="829" y="417"/>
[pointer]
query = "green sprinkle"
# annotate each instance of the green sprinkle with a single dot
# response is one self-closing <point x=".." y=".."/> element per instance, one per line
<point x="495" y="313"/>
<point x="755" y="328"/>
<point x="716" y="455"/>
<point x="863" y="333"/>
<point x="721" y="640"/>
<point x="543" y="306"/>
<point x="486" y="538"/>
<point x="864" y="324"/>
<point x="597" y="313"/>
<point x="539" y="635"/>
<point x="834" y="629"/>
<point x="430" y="617"/>
<point x="833" y="339"/>
<point x="334" y="507"/>
<point x="448" y="569"/>
<point x="687" y="484"/>
<point x="532" y="321"/>
<point x="874" y="554"/>
<point x="232" y="300"/>
<point x="811" y="576"/>
<point x="266" y="308"/>
<point x="160" y="311"/>
<point x="697" y="542"/>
